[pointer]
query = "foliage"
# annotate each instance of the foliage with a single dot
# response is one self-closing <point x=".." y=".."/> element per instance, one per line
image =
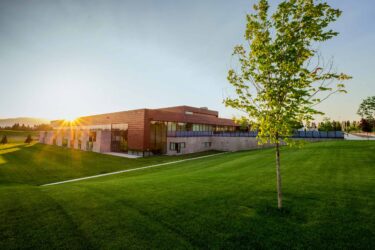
<point x="351" y="126"/>
<point x="328" y="125"/>
<point x="245" y="124"/>
<point x="23" y="127"/>
<point x="366" y="125"/>
<point x="325" y="125"/>
<point x="4" y="140"/>
<point x="367" y="108"/>
<point x="28" y="139"/>
<point x="277" y="87"/>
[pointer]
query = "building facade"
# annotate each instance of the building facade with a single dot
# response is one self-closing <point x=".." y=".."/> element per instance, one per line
<point x="170" y="131"/>
<point x="173" y="130"/>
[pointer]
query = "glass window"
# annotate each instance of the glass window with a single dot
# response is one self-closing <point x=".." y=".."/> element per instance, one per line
<point x="181" y="126"/>
<point x="172" y="126"/>
<point x="174" y="146"/>
<point x="189" y="127"/>
<point x="92" y="136"/>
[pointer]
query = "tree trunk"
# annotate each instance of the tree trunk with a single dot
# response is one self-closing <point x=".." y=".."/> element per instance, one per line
<point x="278" y="176"/>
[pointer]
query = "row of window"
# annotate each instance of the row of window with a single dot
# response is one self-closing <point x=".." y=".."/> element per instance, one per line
<point x="181" y="126"/>
<point x="77" y="134"/>
<point x="177" y="146"/>
<point x="114" y="126"/>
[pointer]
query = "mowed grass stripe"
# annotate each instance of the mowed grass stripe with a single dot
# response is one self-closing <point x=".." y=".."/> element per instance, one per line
<point x="128" y="170"/>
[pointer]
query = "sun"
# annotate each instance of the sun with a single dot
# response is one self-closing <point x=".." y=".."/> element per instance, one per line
<point x="70" y="118"/>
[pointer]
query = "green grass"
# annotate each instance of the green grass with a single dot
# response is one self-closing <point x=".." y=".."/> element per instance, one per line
<point x="226" y="201"/>
<point x="38" y="164"/>
<point x="18" y="136"/>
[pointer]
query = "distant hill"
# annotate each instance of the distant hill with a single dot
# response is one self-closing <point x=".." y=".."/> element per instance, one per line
<point x="28" y="121"/>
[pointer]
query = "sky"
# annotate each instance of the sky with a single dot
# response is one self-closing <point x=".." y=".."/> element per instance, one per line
<point x="64" y="59"/>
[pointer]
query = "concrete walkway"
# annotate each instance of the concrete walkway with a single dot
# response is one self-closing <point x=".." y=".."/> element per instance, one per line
<point x="129" y="170"/>
<point x="123" y="155"/>
<point x="352" y="137"/>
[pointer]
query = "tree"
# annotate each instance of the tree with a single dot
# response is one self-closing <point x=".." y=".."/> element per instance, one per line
<point x="280" y="78"/>
<point x="326" y="125"/>
<point x="367" y="111"/>
<point x="42" y="127"/>
<point x="16" y="126"/>
<point x="4" y="140"/>
<point x="28" y="139"/>
<point x="365" y="125"/>
<point x="367" y="108"/>
<point x="336" y="126"/>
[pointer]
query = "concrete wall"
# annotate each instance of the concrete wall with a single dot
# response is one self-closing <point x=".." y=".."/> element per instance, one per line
<point x="234" y="143"/>
<point x="197" y="144"/>
<point x="192" y="144"/>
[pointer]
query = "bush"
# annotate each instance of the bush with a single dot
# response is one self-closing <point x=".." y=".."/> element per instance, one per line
<point x="28" y="139"/>
<point x="4" y="140"/>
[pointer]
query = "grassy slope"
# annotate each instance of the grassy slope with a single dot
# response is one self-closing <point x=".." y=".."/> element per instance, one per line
<point x="38" y="164"/>
<point x="18" y="136"/>
<point x="226" y="201"/>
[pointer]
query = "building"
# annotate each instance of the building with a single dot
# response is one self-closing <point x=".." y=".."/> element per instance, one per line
<point x="173" y="130"/>
<point x="170" y="131"/>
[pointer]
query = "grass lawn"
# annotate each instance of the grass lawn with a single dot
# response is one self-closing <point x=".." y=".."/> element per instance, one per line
<point x="226" y="201"/>
<point x="18" y="136"/>
<point x="38" y="164"/>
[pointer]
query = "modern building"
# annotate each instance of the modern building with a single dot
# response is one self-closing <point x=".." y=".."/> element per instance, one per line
<point x="173" y="130"/>
<point x="170" y="131"/>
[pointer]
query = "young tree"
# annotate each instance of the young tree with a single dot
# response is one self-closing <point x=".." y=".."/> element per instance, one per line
<point x="29" y="139"/>
<point x="4" y="140"/>
<point x="277" y="85"/>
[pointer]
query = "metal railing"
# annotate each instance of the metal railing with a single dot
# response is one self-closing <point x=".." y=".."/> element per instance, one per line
<point x="296" y="134"/>
<point x="189" y="133"/>
<point x="318" y="134"/>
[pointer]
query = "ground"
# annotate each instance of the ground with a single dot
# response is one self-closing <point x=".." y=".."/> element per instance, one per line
<point x="226" y="201"/>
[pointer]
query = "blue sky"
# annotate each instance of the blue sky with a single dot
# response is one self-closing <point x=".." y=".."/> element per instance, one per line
<point x="63" y="59"/>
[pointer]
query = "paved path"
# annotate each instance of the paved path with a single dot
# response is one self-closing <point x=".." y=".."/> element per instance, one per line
<point x="358" y="138"/>
<point x="129" y="170"/>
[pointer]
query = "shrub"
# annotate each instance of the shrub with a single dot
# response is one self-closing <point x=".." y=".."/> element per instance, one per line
<point x="28" y="139"/>
<point x="4" y="140"/>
